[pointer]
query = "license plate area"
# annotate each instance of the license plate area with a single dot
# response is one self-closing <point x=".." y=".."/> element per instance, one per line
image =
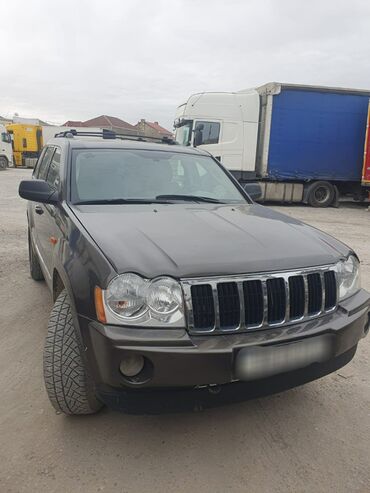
<point x="257" y="362"/>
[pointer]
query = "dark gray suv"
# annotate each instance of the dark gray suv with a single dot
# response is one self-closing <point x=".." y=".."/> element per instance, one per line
<point x="172" y="288"/>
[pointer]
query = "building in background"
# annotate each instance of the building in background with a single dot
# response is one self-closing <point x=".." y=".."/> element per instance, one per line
<point x="105" y="121"/>
<point x="73" y="123"/>
<point x="152" y="129"/>
<point x="28" y="121"/>
<point x="4" y="121"/>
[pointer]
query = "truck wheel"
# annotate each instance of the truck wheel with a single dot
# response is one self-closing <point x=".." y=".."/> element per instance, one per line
<point x="35" y="269"/>
<point x="3" y="162"/>
<point x="320" y="194"/>
<point x="68" y="384"/>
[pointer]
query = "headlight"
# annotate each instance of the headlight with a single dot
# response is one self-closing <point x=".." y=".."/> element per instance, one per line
<point x="136" y="301"/>
<point x="348" y="275"/>
<point x="164" y="296"/>
<point x="125" y="295"/>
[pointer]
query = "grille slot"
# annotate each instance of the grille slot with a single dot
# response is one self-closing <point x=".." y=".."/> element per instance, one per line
<point x="246" y="303"/>
<point x="297" y="297"/>
<point x="330" y="290"/>
<point x="314" y="293"/>
<point x="229" y="305"/>
<point x="253" y="302"/>
<point x="203" y="306"/>
<point x="276" y="299"/>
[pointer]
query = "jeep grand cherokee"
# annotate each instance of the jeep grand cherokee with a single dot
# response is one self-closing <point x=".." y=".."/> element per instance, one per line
<point x="168" y="279"/>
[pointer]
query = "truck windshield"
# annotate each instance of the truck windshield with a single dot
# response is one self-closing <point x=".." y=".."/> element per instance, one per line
<point x="124" y="176"/>
<point x="183" y="133"/>
<point x="5" y="137"/>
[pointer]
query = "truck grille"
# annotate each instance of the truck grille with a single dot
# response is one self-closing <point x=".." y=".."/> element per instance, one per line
<point x="220" y="305"/>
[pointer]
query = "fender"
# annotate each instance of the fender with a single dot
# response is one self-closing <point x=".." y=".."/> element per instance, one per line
<point x="80" y="267"/>
<point x="60" y="273"/>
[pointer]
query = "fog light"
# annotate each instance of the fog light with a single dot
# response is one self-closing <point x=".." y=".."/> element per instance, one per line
<point x="131" y="365"/>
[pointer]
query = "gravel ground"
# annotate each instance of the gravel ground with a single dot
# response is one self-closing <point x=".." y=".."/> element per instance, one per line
<point x="311" y="439"/>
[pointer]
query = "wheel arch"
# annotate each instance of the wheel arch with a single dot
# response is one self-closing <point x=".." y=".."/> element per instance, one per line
<point x="60" y="282"/>
<point x="4" y="156"/>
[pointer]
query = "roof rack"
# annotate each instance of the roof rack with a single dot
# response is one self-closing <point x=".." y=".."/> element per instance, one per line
<point x="110" y="134"/>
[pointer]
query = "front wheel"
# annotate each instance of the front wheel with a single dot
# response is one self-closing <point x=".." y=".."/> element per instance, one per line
<point x="3" y="162"/>
<point x="67" y="381"/>
<point x="320" y="194"/>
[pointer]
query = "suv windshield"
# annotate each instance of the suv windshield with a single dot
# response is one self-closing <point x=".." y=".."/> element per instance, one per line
<point x="108" y="175"/>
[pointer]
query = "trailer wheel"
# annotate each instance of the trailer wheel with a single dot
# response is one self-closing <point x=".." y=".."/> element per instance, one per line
<point x="320" y="194"/>
<point x="3" y="162"/>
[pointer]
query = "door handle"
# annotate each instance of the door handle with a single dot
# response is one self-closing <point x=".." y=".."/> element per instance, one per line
<point x="39" y="209"/>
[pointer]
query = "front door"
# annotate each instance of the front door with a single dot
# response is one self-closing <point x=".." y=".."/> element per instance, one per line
<point x="49" y="220"/>
<point x="43" y="231"/>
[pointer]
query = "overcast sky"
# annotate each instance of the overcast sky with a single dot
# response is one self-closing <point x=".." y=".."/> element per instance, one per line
<point x="77" y="59"/>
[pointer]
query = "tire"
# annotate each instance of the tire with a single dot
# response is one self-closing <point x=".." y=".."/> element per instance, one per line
<point x="68" y="384"/>
<point x="3" y="162"/>
<point x="35" y="268"/>
<point x="320" y="194"/>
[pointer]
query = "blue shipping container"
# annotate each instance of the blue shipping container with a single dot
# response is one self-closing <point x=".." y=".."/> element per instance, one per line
<point x="317" y="134"/>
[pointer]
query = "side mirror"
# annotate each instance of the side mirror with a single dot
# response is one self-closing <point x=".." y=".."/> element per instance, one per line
<point x="253" y="190"/>
<point x="38" y="191"/>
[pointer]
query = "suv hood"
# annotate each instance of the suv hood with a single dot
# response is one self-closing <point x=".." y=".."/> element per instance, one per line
<point x="193" y="240"/>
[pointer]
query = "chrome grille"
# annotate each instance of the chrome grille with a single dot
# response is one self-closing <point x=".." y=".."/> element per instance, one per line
<point x="238" y="303"/>
<point x="203" y="310"/>
<point x="276" y="300"/>
<point x="253" y="299"/>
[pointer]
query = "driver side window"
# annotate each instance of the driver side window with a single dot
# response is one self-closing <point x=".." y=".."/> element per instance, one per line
<point x="206" y="133"/>
<point x="43" y="163"/>
<point x="53" y="176"/>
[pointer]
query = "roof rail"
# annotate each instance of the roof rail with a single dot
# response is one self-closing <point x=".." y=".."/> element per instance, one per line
<point x="110" y="134"/>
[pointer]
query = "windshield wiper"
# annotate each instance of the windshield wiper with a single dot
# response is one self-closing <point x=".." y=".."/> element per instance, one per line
<point x="159" y="199"/>
<point x="189" y="198"/>
<point x="120" y="201"/>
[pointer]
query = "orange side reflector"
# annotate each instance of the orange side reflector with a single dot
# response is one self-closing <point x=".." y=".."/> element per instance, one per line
<point x="99" y="305"/>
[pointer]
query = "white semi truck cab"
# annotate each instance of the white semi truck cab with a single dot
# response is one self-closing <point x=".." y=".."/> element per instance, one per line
<point x="6" y="149"/>
<point x="301" y="143"/>
<point x="223" y="123"/>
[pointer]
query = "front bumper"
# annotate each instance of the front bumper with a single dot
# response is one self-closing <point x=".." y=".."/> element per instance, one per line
<point x="178" y="359"/>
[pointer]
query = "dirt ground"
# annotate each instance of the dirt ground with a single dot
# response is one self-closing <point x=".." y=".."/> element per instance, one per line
<point x="311" y="439"/>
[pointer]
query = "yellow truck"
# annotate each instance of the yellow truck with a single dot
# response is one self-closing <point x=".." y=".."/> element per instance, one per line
<point x="27" y="143"/>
